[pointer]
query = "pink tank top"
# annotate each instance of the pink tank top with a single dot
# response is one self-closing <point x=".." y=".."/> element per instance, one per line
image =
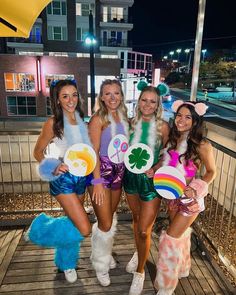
<point x="189" y="167"/>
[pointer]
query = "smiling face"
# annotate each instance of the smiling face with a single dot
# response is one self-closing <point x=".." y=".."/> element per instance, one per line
<point x="183" y="120"/>
<point x="68" y="98"/>
<point x="111" y="96"/>
<point x="148" y="104"/>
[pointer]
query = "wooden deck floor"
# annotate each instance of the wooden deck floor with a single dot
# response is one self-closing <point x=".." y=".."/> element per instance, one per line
<point x="29" y="270"/>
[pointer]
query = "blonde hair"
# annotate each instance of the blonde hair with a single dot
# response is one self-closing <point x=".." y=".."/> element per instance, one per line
<point x="158" y="113"/>
<point x="101" y="109"/>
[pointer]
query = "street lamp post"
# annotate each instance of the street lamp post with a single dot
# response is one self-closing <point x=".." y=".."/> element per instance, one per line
<point x="178" y="51"/>
<point x="91" y="41"/>
<point x="203" y="54"/>
<point x="171" y="53"/>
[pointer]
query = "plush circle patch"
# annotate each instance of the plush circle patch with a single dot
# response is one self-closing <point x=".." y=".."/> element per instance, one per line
<point x="138" y="158"/>
<point x="169" y="182"/>
<point x="117" y="148"/>
<point x="81" y="159"/>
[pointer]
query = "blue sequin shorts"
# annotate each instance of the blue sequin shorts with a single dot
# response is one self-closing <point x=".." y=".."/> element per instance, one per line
<point x="69" y="184"/>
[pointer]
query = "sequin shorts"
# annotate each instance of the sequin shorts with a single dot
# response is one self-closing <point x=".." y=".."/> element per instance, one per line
<point x="140" y="184"/>
<point x="68" y="184"/>
<point x="186" y="206"/>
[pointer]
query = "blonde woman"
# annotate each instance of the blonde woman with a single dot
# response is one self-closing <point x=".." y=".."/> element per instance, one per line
<point x="144" y="202"/>
<point x="109" y="120"/>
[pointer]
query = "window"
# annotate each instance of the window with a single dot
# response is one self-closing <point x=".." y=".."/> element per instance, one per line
<point x="19" y="82"/>
<point x="131" y="60"/>
<point x="122" y="57"/>
<point x="54" y="77"/>
<point x="117" y="13"/>
<point x="81" y="33"/>
<point x="105" y="14"/>
<point x="148" y="63"/>
<point x="83" y="9"/>
<point x="21" y="106"/>
<point x="57" y="33"/>
<point x="57" y="8"/>
<point x="48" y="107"/>
<point x="140" y="61"/>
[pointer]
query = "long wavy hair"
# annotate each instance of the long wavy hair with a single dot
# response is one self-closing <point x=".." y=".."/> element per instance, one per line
<point x="55" y="89"/>
<point x="194" y="138"/>
<point x="101" y="109"/>
<point x="158" y="113"/>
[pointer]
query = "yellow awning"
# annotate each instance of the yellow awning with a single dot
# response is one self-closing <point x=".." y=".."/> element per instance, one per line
<point x="18" y="16"/>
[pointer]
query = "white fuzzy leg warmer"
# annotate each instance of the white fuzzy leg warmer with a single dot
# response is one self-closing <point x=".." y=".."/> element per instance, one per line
<point x="101" y="243"/>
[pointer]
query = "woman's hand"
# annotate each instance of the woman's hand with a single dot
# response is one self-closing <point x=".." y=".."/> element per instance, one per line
<point x="150" y="173"/>
<point x="98" y="194"/>
<point x="190" y="192"/>
<point x="62" y="168"/>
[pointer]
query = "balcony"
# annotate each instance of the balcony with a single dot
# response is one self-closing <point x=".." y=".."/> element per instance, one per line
<point x="114" y="42"/>
<point x="115" y="21"/>
<point x="27" y="269"/>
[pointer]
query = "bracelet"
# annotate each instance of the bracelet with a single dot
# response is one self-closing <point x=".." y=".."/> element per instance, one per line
<point x="97" y="181"/>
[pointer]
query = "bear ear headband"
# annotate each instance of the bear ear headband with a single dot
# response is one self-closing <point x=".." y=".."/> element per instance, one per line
<point x="200" y="108"/>
<point x="162" y="88"/>
<point x="54" y="82"/>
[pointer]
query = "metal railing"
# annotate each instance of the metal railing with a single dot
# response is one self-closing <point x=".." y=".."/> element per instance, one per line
<point x="23" y="194"/>
<point x="216" y="225"/>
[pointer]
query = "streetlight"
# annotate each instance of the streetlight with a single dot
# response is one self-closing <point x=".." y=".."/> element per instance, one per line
<point x="203" y="54"/>
<point x="171" y="53"/>
<point x="178" y="51"/>
<point x="91" y="41"/>
<point x="187" y="50"/>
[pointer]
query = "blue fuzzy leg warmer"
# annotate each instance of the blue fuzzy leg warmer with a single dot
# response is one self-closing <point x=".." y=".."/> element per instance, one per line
<point x="47" y="231"/>
<point x="67" y="257"/>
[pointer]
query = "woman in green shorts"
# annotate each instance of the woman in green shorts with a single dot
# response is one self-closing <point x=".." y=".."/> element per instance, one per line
<point x="144" y="202"/>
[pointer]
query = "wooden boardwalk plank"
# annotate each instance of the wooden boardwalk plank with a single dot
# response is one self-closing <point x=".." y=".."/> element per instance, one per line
<point x="27" y="269"/>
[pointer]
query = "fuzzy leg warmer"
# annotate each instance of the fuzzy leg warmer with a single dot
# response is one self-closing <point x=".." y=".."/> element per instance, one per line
<point x="67" y="257"/>
<point x="47" y="231"/>
<point x="186" y="259"/>
<point x="101" y="243"/>
<point x="168" y="264"/>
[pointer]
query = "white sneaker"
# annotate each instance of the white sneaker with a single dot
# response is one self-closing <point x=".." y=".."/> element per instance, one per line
<point x="70" y="275"/>
<point x="137" y="283"/>
<point x="132" y="265"/>
<point x="112" y="263"/>
<point x="103" y="278"/>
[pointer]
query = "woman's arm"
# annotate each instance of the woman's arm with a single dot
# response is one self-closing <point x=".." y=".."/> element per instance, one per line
<point x="48" y="168"/>
<point x="44" y="139"/>
<point x="208" y="160"/>
<point x="198" y="188"/>
<point x="95" y="132"/>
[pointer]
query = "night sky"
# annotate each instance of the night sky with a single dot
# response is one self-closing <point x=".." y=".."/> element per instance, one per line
<point x="162" y="26"/>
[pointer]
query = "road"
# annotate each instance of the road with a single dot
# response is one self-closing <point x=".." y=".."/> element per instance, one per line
<point x="219" y="114"/>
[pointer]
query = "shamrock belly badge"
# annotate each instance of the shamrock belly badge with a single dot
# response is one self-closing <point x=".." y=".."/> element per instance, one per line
<point x="117" y="148"/>
<point x="169" y="182"/>
<point x="81" y="159"/>
<point x="138" y="158"/>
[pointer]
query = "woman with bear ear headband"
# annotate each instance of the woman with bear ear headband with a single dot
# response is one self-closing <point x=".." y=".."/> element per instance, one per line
<point x="144" y="202"/>
<point x="186" y="150"/>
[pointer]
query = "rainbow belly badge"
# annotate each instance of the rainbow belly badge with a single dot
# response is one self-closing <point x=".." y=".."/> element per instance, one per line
<point x="169" y="182"/>
<point x="81" y="159"/>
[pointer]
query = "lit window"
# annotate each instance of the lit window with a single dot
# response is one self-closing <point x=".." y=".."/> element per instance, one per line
<point x="21" y="106"/>
<point x="50" y="78"/>
<point x="83" y="9"/>
<point x="117" y="13"/>
<point x="19" y="82"/>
